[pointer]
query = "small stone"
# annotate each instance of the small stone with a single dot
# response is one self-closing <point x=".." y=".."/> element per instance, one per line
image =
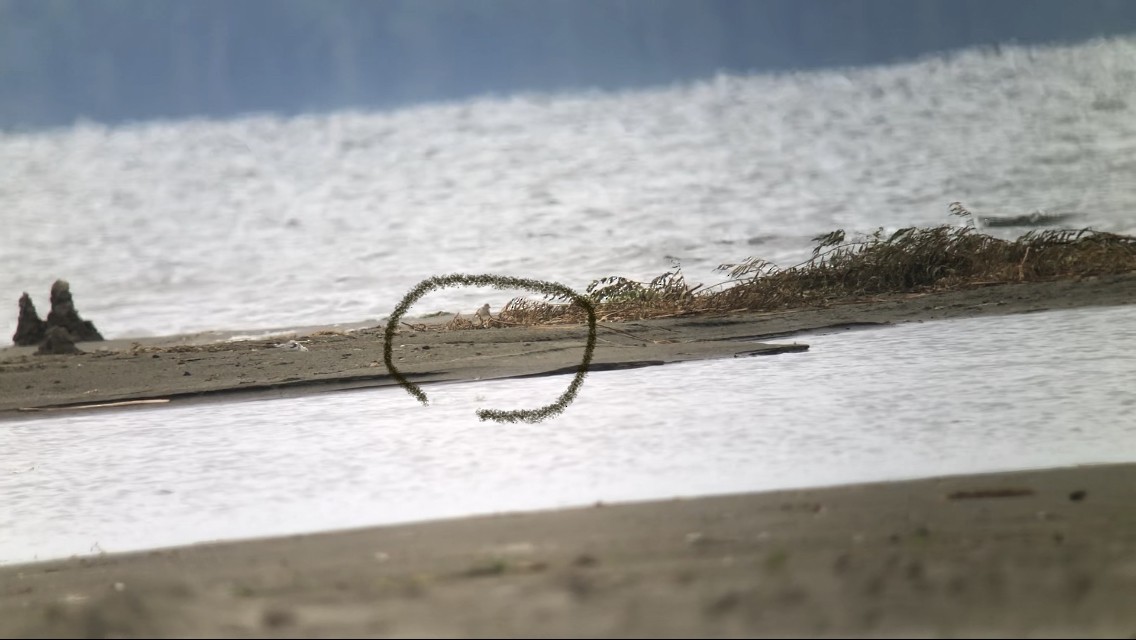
<point x="585" y="560"/>
<point x="274" y="618"/>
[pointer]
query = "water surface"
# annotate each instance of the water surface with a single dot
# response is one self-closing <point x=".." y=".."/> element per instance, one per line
<point x="264" y="222"/>
<point x="914" y="400"/>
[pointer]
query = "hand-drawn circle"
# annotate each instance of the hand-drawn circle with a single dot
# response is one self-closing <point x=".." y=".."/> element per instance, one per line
<point x="497" y="282"/>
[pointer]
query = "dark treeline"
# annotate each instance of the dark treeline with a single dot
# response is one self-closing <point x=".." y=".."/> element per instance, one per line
<point x="117" y="60"/>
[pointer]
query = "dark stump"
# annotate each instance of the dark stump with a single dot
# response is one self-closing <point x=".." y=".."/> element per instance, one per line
<point x="63" y="314"/>
<point x="29" y="328"/>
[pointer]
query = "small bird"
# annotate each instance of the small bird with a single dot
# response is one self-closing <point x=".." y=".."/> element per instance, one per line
<point x="484" y="315"/>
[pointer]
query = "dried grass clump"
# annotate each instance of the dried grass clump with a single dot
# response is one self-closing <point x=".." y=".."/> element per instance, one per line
<point x="458" y="323"/>
<point x="616" y="298"/>
<point x="909" y="260"/>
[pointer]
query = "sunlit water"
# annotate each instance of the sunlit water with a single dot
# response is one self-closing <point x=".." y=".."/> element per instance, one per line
<point x="913" y="400"/>
<point x="265" y="222"/>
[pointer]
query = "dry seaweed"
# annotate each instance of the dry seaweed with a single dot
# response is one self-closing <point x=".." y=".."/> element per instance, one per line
<point x="909" y="260"/>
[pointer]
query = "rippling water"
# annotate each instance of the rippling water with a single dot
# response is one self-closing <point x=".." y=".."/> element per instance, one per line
<point x="914" y="400"/>
<point x="263" y="222"/>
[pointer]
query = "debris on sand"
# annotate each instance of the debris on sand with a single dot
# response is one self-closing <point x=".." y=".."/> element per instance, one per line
<point x="292" y="345"/>
<point x="1035" y="219"/>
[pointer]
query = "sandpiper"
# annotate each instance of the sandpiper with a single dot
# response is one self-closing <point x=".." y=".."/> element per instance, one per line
<point x="484" y="315"/>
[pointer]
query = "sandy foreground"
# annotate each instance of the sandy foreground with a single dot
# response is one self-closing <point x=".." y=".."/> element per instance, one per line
<point x="1037" y="553"/>
<point x="1045" y="553"/>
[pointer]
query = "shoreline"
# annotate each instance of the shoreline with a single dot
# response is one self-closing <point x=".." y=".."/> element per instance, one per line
<point x="1038" y="552"/>
<point x="205" y="367"/>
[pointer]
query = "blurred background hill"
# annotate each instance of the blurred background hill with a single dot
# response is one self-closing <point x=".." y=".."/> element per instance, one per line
<point x="120" y="60"/>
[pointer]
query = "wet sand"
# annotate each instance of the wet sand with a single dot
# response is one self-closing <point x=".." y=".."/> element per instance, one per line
<point x="1039" y="553"/>
<point x="206" y="367"/>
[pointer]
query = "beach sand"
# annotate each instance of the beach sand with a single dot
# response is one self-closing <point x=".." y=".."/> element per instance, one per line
<point x="1037" y="553"/>
<point x="206" y="367"/>
<point x="1040" y="553"/>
